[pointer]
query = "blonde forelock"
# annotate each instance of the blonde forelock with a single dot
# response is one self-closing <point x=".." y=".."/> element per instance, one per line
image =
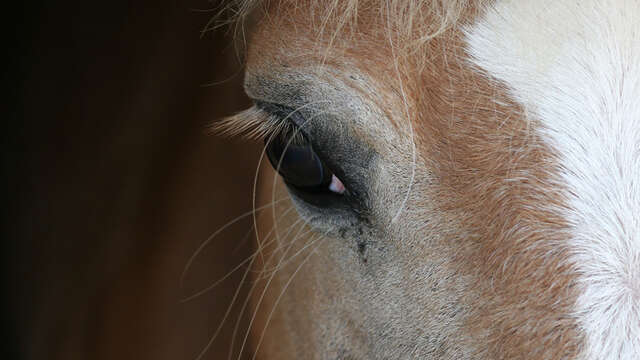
<point x="412" y="22"/>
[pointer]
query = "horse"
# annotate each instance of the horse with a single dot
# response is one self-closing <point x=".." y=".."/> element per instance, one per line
<point x="443" y="179"/>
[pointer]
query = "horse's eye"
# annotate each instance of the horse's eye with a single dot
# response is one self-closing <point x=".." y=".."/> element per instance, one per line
<point x="299" y="165"/>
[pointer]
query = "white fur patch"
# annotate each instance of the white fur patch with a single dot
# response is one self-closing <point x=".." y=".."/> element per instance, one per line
<point x="575" y="67"/>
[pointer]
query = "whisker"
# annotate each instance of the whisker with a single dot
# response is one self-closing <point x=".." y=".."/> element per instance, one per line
<point x="248" y="298"/>
<point x="216" y="233"/>
<point x="286" y="286"/>
<point x="264" y="149"/>
<point x="228" y="311"/>
<point x="238" y="320"/>
<point x="243" y="240"/>
<point x="239" y="71"/>
<point x="254" y="123"/>
<point x="264" y="291"/>
<point x="274" y="269"/>
<point x="254" y="199"/>
<point x="226" y="276"/>
<point x="291" y="140"/>
<point x="275" y="222"/>
<point x="275" y="177"/>
<point x="210" y="25"/>
<point x="408" y="115"/>
<point x="226" y="314"/>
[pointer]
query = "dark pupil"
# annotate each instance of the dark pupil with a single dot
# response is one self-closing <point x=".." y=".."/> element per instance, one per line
<point x="297" y="162"/>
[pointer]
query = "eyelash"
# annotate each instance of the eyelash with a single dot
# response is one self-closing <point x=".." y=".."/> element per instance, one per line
<point x="254" y="124"/>
<point x="259" y="124"/>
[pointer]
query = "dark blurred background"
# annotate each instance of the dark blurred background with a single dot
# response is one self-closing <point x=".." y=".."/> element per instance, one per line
<point x="111" y="181"/>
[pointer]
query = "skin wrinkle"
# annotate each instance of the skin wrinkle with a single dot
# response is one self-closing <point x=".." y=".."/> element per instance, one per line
<point x="476" y="266"/>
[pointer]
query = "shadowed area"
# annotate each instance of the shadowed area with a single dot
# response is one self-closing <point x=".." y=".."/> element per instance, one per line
<point x="112" y="182"/>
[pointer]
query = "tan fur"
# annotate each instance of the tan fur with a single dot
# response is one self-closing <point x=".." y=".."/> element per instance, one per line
<point x="479" y="220"/>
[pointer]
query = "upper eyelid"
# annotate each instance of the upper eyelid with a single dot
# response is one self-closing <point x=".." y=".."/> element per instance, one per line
<point x="283" y="112"/>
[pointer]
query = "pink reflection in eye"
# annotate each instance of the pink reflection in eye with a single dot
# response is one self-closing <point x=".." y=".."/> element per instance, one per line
<point x="336" y="185"/>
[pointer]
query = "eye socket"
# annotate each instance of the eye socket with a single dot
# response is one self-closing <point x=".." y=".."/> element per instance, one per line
<point x="293" y="156"/>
